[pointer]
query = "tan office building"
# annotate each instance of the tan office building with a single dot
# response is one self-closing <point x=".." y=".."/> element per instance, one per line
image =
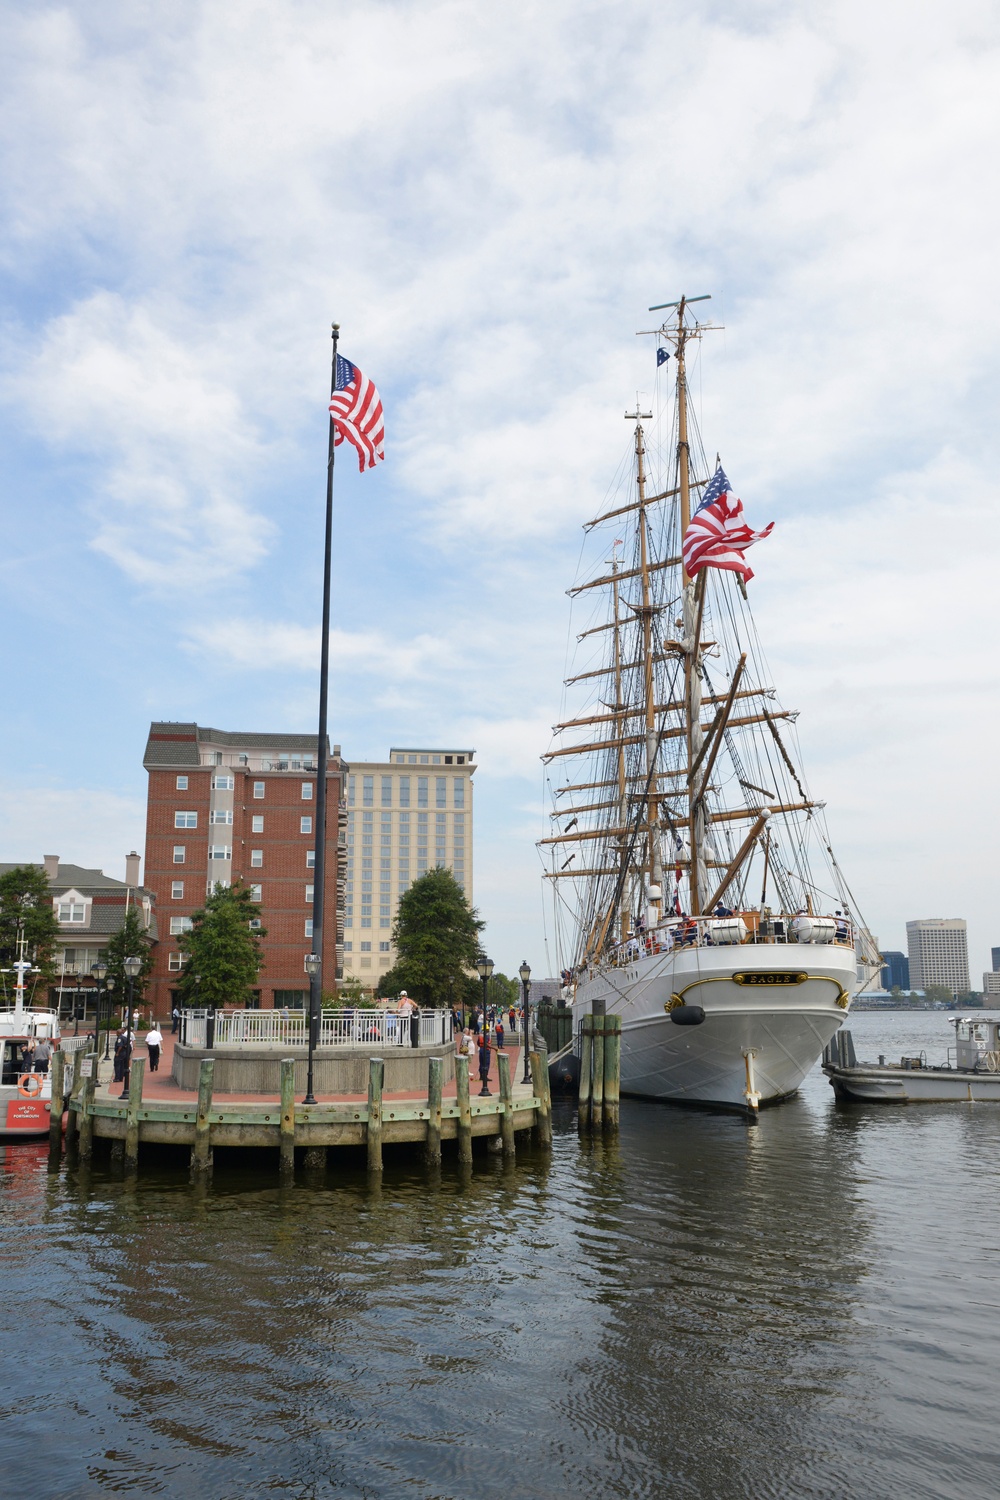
<point x="939" y="953"/>
<point x="405" y="815"/>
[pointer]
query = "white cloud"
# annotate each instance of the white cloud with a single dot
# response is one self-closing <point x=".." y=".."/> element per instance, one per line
<point x="83" y="826"/>
<point x="263" y="646"/>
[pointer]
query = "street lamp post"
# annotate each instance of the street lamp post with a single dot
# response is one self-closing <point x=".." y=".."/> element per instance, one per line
<point x="314" y="967"/>
<point x="485" y="967"/>
<point x="525" y="973"/>
<point x="99" y="971"/>
<point x="109" y="985"/>
<point x="132" y="967"/>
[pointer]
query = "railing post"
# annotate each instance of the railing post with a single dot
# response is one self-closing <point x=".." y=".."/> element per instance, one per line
<point x="506" y="1104"/>
<point x="135" y="1078"/>
<point x="586" y="1058"/>
<point x="376" y="1077"/>
<point x="57" y="1069"/>
<point x="435" y="1069"/>
<point x="287" y="1139"/>
<point x="543" y="1093"/>
<point x="464" y="1109"/>
<point x="201" y="1151"/>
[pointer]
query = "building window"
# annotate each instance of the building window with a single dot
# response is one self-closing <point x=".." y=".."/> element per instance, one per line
<point x="258" y="789"/>
<point x="185" y="820"/>
<point x="257" y="823"/>
<point x="348" y="946"/>
<point x="366" y="921"/>
<point x="177" y="890"/>
<point x="366" y="947"/>
<point x="180" y="851"/>
<point x="179" y="925"/>
<point x="182" y="783"/>
<point x="256" y="858"/>
<point x="310" y="859"/>
<point x="220" y="851"/>
<point x="72" y="911"/>
<point x="404" y="791"/>
<point x="221" y="815"/>
<point x="308" y="927"/>
<point x="421" y="791"/>
<point x="175" y="962"/>
<point x="310" y="894"/>
<point x="256" y="893"/>
<point x="459" y="792"/>
<point x="384" y="947"/>
<point x="386" y="791"/>
<point x="307" y="791"/>
<point x="440" y="787"/>
<point x="223" y="783"/>
<point x="255" y="924"/>
<point x="305" y="825"/>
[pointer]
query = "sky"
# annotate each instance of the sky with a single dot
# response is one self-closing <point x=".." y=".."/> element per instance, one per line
<point x="487" y="199"/>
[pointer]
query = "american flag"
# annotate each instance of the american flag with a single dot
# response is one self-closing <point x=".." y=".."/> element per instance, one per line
<point x="356" y="409"/>
<point x="717" y="535"/>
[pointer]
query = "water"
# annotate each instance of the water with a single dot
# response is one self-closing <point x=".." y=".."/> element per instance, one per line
<point x="805" y="1308"/>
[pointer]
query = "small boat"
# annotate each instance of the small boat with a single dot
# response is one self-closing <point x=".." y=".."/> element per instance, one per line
<point x="971" y="1074"/>
<point x="25" y="1098"/>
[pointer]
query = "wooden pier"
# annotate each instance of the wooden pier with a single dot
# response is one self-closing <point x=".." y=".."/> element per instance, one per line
<point x="202" y="1123"/>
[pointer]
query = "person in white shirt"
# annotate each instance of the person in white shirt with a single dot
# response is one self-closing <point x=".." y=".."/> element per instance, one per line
<point x="154" y="1041"/>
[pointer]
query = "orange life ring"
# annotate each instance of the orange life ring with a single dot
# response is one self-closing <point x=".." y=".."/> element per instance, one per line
<point x="26" y="1078"/>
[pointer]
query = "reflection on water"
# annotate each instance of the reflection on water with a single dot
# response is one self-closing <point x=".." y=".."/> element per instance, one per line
<point x="804" y="1308"/>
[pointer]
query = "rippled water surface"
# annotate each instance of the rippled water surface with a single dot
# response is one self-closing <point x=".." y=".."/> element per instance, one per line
<point x="805" y="1308"/>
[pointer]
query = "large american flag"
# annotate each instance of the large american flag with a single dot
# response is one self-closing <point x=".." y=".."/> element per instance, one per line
<point x="356" y="410"/>
<point x="717" y="535"/>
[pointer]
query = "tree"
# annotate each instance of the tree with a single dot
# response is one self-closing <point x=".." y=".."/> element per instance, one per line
<point x="130" y="941"/>
<point x="26" y="908"/>
<point x="938" y="994"/>
<point x="436" y="933"/>
<point x="223" y="949"/>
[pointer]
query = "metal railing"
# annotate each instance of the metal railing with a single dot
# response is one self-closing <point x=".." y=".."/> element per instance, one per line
<point x="348" y="1028"/>
<point x="736" y="930"/>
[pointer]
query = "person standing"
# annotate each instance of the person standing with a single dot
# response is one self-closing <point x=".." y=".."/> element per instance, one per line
<point x="154" y="1041"/>
<point x="175" y="1020"/>
<point x="123" y="1051"/>
<point x="499" y="1031"/>
<point x="43" y="1051"/>
<point x="484" y="1059"/>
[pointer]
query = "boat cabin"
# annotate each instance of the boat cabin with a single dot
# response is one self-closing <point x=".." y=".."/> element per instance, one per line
<point x="977" y="1044"/>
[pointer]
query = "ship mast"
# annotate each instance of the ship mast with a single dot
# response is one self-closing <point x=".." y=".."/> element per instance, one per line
<point x="620" y="727"/>
<point x="646" y="611"/>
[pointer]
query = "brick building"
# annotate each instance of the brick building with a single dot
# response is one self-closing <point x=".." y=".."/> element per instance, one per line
<point x="224" y="806"/>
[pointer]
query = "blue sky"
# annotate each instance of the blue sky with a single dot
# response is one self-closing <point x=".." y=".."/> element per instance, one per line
<point x="487" y="199"/>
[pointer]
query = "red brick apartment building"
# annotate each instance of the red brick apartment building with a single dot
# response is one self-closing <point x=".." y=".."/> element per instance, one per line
<point x="224" y="806"/>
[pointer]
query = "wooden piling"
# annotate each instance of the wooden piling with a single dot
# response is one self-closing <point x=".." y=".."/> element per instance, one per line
<point x="507" y="1100"/>
<point x="435" y="1078"/>
<point x="612" y="1072"/>
<point x="58" y="1067"/>
<point x="72" y="1118"/>
<point x="286" y="1148"/>
<point x="87" y="1119"/>
<point x="543" y="1093"/>
<point x="597" y="1074"/>
<point x="586" y="1061"/>
<point x="464" y="1109"/>
<point x="201" y="1151"/>
<point x="135" y="1080"/>
<point x="376" y="1078"/>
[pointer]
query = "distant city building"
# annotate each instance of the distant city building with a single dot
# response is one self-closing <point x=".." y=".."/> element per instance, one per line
<point x="995" y="959"/>
<point x="90" y="908"/>
<point x="223" y="806"/>
<point x="895" y="971"/>
<point x="405" y="815"/>
<point x="991" y="982"/>
<point x="939" y="953"/>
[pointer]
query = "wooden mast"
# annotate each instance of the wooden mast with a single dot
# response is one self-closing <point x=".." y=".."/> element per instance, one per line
<point x="620" y="724"/>
<point x="646" y="613"/>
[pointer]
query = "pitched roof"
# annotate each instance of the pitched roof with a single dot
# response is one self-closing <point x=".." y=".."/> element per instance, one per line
<point x="177" y="744"/>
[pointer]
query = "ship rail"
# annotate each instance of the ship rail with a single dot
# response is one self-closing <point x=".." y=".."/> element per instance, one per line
<point x="723" y="931"/>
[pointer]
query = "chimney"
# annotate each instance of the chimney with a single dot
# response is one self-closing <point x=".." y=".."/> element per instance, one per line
<point x="51" y="863"/>
<point x="132" y="869"/>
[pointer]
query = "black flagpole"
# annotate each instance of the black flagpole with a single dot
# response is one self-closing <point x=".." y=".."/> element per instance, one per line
<point x="319" y="871"/>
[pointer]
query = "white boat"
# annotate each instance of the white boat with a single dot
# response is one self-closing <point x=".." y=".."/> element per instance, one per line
<point x="971" y="1074"/>
<point x="700" y="899"/>
<point x="25" y="1098"/>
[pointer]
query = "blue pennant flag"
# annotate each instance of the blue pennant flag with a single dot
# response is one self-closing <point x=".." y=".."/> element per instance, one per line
<point x="662" y="355"/>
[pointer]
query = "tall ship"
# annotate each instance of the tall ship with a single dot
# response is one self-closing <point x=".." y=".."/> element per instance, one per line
<point x="696" y="893"/>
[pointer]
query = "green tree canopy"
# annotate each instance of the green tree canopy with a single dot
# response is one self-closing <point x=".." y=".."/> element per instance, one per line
<point x="26" y="907"/>
<point x="223" y="949"/>
<point x="130" y="941"/>
<point x="939" y="993"/>
<point x="436" y="933"/>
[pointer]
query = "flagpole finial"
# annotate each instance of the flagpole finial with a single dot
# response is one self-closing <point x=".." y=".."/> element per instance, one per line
<point x="335" y="327"/>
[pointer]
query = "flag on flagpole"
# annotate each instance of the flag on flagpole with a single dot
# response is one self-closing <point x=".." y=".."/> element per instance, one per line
<point x="718" y="535"/>
<point x="662" y="355"/>
<point x="356" y="411"/>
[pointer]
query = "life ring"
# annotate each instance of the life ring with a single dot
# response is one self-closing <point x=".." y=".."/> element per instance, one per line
<point x="30" y="1078"/>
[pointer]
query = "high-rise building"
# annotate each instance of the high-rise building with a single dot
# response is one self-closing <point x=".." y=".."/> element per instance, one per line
<point x="223" y="806"/>
<point x="995" y="959"/>
<point x="405" y="816"/>
<point x="991" y="982"/>
<point x="939" y="953"/>
<point x="895" y="971"/>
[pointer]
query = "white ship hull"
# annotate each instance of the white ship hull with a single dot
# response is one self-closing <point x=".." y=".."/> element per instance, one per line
<point x="783" y="1025"/>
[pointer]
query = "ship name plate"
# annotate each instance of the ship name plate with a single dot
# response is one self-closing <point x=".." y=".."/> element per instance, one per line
<point x="770" y="976"/>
